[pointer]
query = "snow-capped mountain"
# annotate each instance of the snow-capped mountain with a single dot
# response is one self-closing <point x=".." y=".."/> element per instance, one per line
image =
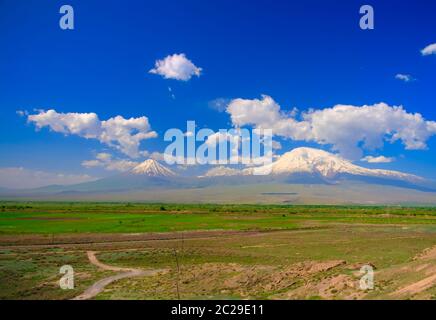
<point x="325" y="164"/>
<point x="315" y="163"/>
<point x="152" y="168"/>
<point x="301" y="166"/>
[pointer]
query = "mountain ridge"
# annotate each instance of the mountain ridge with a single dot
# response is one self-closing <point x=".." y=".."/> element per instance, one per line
<point x="301" y="166"/>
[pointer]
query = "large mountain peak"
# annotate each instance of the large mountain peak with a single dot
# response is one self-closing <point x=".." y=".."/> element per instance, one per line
<point x="312" y="161"/>
<point x="326" y="164"/>
<point x="152" y="168"/>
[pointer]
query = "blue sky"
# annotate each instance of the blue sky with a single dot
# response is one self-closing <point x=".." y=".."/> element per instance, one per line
<point x="303" y="54"/>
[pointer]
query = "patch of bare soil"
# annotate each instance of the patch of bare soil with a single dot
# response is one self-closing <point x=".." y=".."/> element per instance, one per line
<point x="331" y="286"/>
<point x="427" y="268"/>
<point x="324" y="266"/>
<point x="265" y="278"/>
<point x="339" y="286"/>
<point x="356" y="266"/>
<point x="417" y="287"/>
<point x="252" y="281"/>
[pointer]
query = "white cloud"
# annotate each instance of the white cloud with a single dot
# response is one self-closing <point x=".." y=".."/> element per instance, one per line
<point x="122" y="134"/>
<point x="223" y="137"/>
<point x="21" y="178"/>
<point x="379" y="159"/>
<point x="92" y="163"/>
<point x="86" y="125"/>
<point x="348" y="129"/>
<point x="103" y="156"/>
<point x="266" y="114"/>
<point x="126" y="134"/>
<point x="121" y="165"/>
<point x="105" y="160"/>
<point x="430" y="49"/>
<point x="276" y="145"/>
<point x="176" y="66"/>
<point x="404" y="77"/>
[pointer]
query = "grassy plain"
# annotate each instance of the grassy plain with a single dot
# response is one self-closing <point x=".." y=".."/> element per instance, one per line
<point x="218" y="251"/>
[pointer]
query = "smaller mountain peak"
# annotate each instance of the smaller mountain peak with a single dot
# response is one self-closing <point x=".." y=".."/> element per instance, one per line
<point x="152" y="168"/>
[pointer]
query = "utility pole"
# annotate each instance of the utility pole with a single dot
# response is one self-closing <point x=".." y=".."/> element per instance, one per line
<point x="178" y="273"/>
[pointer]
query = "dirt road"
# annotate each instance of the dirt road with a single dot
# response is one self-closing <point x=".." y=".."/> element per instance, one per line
<point x="98" y="287"/>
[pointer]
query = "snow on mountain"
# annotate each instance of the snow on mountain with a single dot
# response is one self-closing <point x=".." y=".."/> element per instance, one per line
<point x="298" y="161"/>
<point x="328" y="165"/>
<point x="221" y="171"/>
<point x="152" y="168"/>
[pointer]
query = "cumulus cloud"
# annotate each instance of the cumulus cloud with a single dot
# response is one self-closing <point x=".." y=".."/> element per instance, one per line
<point x="21" y="178"/>
<point x="379" y="159"/>
<point x="404" y="77"/>
<point x="176" y="66"/>
<point x="430" y="49"/>
<point x="122" y="134"/>
<point x="105" y="160"/>
<point x="223" y="137"/>
<point x="348" y="129"/>
<point x="265" y="113"/>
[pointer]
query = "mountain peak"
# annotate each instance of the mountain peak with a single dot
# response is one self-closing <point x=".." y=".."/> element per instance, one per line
<point x="328" y="165"/>
<point x="152" y="168"/>
<point x="312" y="161"/>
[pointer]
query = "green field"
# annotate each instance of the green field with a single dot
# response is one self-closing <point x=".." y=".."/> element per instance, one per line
<point x="218" y="251"/>
<point x="61" y="218"/>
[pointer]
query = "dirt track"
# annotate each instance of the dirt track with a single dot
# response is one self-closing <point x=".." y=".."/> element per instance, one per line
<point x="98" y="287"/>
<point x="85" y="240"/>
<point x="417" y="287"/>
